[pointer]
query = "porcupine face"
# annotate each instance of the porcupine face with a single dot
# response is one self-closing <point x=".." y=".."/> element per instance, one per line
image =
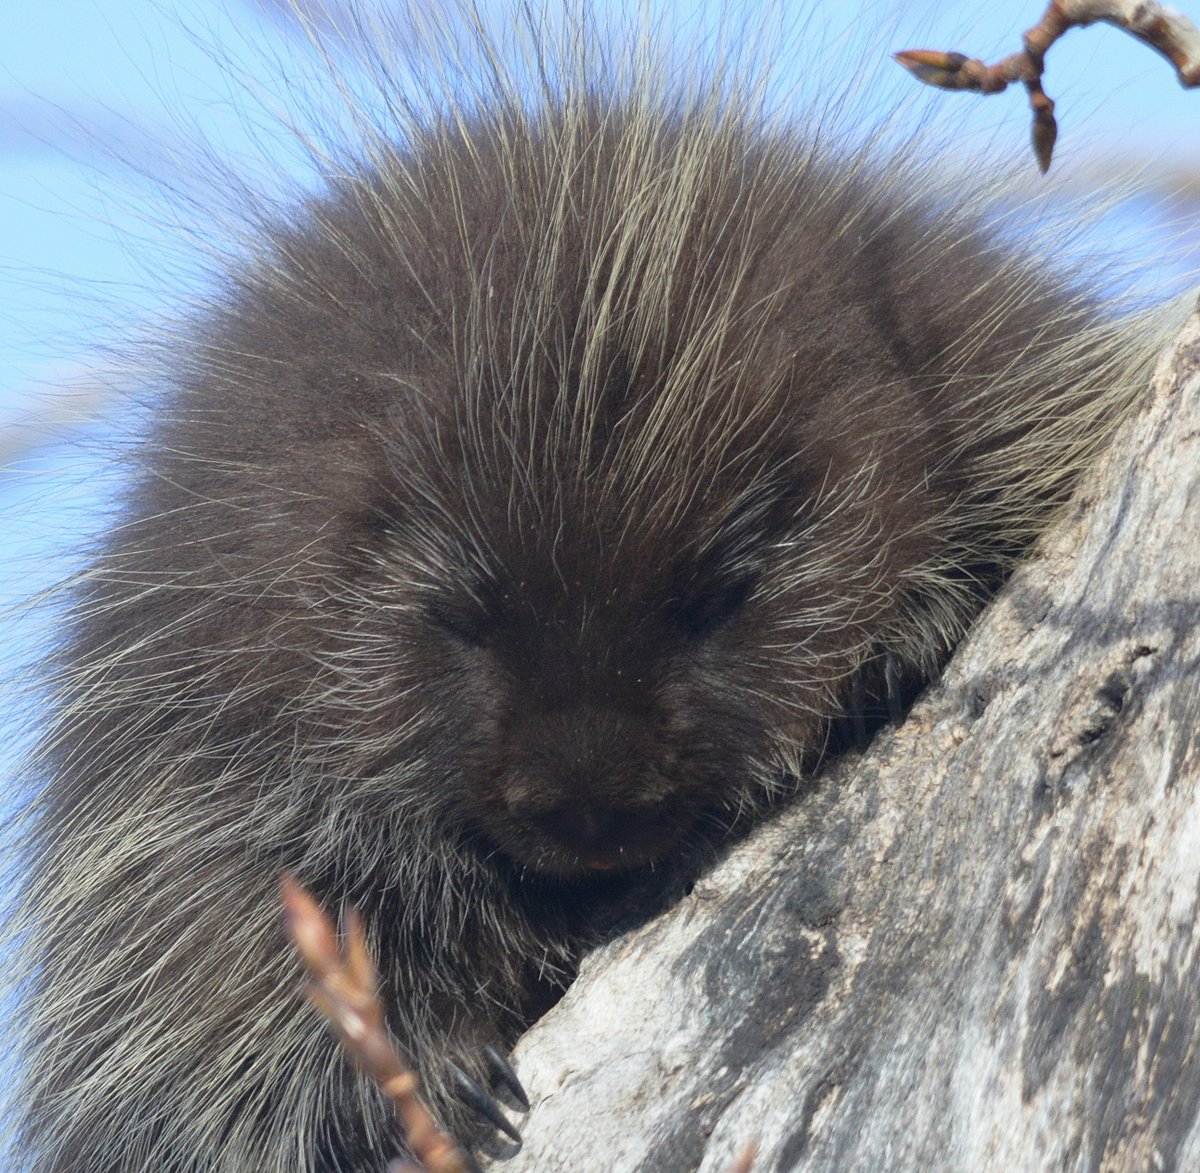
<point x="609" y="711"/>
<point x="597" y="658"/>
<point x="576" y="549"/>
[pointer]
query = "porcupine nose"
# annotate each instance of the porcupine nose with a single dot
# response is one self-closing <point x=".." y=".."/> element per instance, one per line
<point x="582" y="781"/>
<point x="602" y="837"/>
<point x="593" y="831"/>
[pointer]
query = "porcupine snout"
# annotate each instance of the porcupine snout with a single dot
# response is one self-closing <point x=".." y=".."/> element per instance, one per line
<point x="588" y="789"/>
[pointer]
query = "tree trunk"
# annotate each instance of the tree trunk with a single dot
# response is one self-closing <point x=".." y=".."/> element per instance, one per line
<point x="974" y="948"/>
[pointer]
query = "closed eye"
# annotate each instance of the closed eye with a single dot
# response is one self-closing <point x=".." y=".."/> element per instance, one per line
<point x="464" y="627"/>
<point x="700" y="612"/>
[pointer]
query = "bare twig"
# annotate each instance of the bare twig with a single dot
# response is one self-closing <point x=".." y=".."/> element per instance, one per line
<point x="344" y="990"/>
<point x="1165" y="30"/>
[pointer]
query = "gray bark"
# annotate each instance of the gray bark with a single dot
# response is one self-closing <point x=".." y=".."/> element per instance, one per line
<point x="974" y="948"/>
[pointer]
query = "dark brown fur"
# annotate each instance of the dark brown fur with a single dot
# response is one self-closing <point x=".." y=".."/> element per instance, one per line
<point x="508" y="533"/>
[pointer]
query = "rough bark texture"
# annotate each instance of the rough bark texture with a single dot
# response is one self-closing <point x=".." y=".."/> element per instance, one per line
<point x="975" y="948"/>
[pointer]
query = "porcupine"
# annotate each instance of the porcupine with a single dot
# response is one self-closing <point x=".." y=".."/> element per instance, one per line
<point x="512" y="526"/>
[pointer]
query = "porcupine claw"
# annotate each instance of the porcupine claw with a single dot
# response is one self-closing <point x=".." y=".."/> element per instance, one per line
<point x="865" y="712"/>
<point x="484" y="1103"/>
<point x="507" y="1076"/>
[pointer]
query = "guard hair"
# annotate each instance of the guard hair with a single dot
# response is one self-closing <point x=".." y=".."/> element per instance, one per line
<point x="513" y="523"/>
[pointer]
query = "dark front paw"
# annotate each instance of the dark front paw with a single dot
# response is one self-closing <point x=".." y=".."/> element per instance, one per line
<point x="487" y="1100"/>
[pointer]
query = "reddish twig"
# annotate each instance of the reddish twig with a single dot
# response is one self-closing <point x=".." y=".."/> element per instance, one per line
<point x="1165" y="30"/>
<point x="344" y="989"/>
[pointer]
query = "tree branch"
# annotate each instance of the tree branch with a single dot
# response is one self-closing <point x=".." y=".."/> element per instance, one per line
<point x="1163" y="29"/>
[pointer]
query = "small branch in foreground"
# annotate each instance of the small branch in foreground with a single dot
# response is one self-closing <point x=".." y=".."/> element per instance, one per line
<point x="344" y="989"/>
<point x="1165" y="30"/>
